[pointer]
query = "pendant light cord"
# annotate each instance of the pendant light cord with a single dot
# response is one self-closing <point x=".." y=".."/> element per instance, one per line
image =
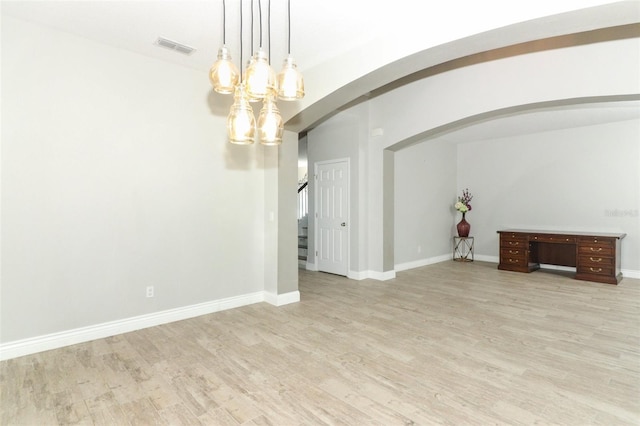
<point x="224" y="23"/>
<point x="289" y="26"/>
<point x="269" y="28"/>
<point x="241" y="41"/>
<point x="260" y="16"/>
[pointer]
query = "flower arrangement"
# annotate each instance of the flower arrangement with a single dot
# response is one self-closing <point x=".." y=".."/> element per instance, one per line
<point x="463" y="204"/>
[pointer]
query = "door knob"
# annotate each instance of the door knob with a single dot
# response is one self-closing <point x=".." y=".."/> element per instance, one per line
<point x="343" y="224"/>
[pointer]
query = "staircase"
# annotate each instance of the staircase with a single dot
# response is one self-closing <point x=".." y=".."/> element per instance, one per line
<point x="303" y="220"/>
<point x="302" y="240"/>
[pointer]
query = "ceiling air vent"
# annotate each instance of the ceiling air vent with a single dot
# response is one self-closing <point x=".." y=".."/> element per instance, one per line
<point x="174" y="45"/>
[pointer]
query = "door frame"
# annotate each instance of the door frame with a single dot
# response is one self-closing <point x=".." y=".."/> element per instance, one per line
<point x="316" y="165"/>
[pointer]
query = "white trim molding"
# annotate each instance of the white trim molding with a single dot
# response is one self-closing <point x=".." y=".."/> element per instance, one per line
<point x="423" y="262"/>
<point x="626" y="273"/>
<point x="630" y="273"/>
<point x="282" y="299"/>
<point x="485" y="258"/>
<point x="382" y="276"/>
<point x="374" y="275"/>
<point x="99" y="331"/>
<point x="357" y="275"/>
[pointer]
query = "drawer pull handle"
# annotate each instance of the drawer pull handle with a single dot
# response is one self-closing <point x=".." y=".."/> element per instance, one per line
<point x="513" y="261"/>
<point x="596" y="269"/>
<point x="514" y="251"/>
<point x="512" y="243"/>
<point x="595" y="259"/>
<point x="596" y="249"/>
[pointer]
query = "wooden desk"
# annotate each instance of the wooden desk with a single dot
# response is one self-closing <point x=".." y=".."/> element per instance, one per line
<point x="596" y="256"/>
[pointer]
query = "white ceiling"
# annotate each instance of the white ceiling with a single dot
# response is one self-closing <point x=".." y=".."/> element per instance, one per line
<point x="322" y="30"/>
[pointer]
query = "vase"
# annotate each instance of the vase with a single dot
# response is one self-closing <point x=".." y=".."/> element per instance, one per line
<point x="463" y="227"/>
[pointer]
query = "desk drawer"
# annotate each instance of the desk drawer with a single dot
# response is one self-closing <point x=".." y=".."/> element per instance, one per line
<point x="595" y="270"/>
<point x="544" y="238"/>
<point x="596" y="241"/>
<point x="513" y="253"/>
<point x="513" y="260"/>
<point x="517" y="243"/>
<point x="595" y="261"/>
<point x="597" y="247"/>
<point x="504" y="236"/>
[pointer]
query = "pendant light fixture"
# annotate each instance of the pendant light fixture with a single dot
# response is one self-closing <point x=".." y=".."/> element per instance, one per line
<point x="251" y="59"/>
<point x="270" y="124"/>
<point x="260" y="83"/>
<point x="260" y="78"/>
<point x="224" y="74"/>
<point x="290" y="82"/>
<point x="241" y="123"/>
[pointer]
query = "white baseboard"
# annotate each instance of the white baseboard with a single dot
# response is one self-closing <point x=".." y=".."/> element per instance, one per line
<point x="485" y="258"/>
<point x="422" y="262"/>
<point x="374" y="275"/>
<point x="282" y="299"/>
<point x="626" y="273"/>
<point x="361" y="275"/>
<point x="357" y="275"/>
<point x="558" y="267"/>
<point x="383" y="276"/>
<point x="99" y="331"/>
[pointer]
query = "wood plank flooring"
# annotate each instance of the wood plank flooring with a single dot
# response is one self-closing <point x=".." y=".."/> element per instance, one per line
<point x="451" y="343"/>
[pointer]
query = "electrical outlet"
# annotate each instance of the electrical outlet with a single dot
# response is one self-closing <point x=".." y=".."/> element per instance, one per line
<point x="419" y="249"/>
<point x="150" y="291"/>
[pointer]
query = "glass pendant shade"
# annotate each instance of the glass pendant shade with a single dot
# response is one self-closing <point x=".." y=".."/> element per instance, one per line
<point x="260" y="77"/>
<point x="252" y="99"/>
<point x="290" y="82"/>
<point x="270" y="124"/>
<point x="224" y="75"/>
<point x="241" y="123"/>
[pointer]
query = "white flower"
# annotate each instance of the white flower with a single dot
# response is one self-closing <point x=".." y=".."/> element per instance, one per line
<point x="460" y="206"/>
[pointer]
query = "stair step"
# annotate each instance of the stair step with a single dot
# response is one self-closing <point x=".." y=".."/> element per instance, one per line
<point x="302" y="247"/>
<point x="302" y="257"/>
<point x="304" y="237"/>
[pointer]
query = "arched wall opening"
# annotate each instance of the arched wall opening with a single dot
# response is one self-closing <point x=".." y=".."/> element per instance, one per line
<point x="446" y="99"/>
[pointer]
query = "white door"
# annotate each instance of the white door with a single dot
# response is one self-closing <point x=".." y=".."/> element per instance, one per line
<point x="332" y="214"/>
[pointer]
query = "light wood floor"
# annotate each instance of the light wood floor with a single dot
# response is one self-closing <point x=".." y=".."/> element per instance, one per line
<point x="451" y="343"/>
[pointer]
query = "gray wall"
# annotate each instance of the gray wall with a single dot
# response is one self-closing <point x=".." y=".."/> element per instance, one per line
<point x="117" y="175"/>
<point x="425" y="182"/>
<point x="579" y="179"/>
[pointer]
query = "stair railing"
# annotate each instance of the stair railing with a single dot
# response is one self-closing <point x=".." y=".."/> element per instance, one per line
<point x="303" y="200"/>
